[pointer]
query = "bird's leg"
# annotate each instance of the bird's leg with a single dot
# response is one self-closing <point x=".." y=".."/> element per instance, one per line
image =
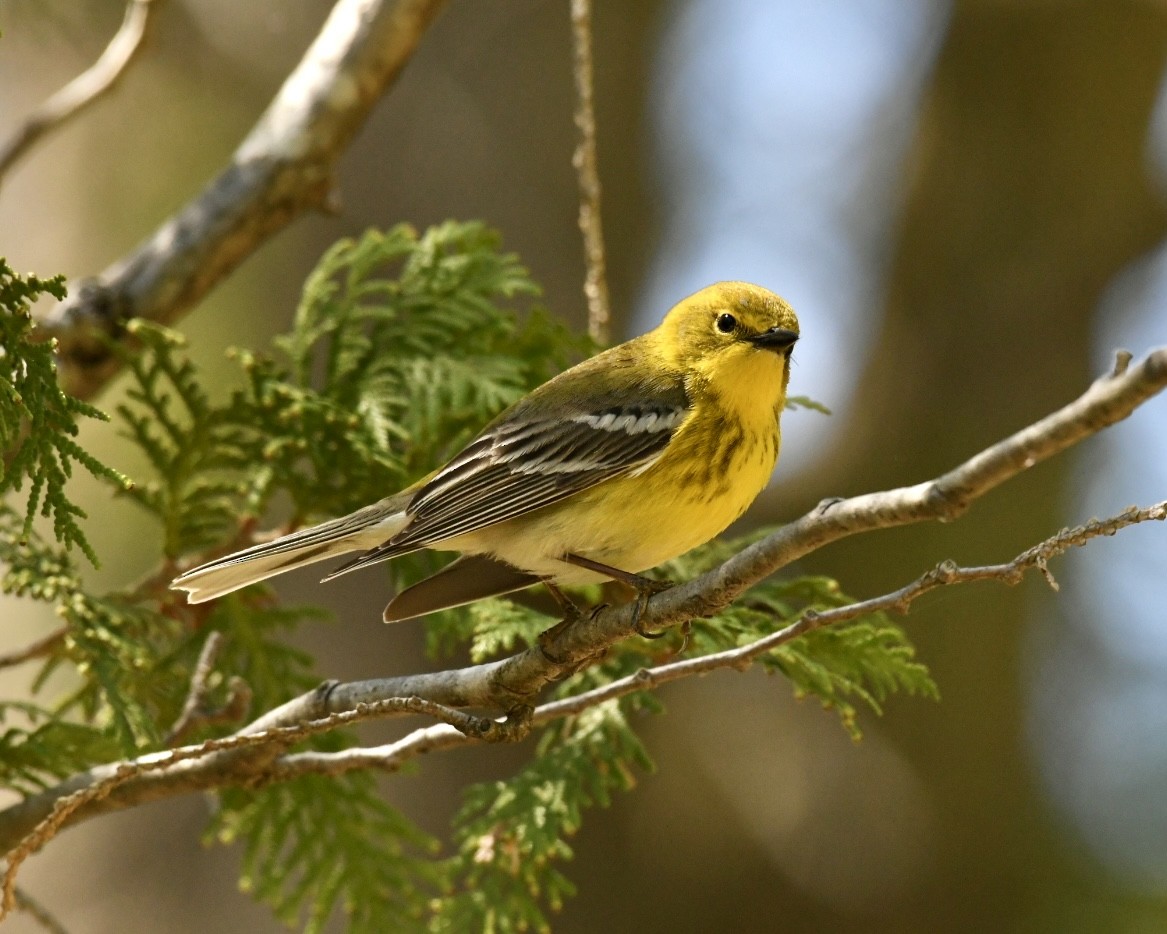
<point x="569" y="611"/>
<point x="646" y="588"/>
<point x="571" y="614"/>
<point x="567" y="608"/>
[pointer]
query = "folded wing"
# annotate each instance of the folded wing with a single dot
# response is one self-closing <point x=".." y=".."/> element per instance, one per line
<point x="523" y="463"/>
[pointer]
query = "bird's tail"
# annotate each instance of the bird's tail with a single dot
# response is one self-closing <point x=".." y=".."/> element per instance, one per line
<point x="366" y="528"/>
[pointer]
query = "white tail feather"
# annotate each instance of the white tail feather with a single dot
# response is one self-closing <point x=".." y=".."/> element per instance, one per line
<point x="362" y="530"/>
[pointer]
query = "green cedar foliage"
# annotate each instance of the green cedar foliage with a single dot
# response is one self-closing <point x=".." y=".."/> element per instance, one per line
<point x="403" y="345"/>
<point x="510" y="834"/>
<point x="317" y="842"/>
<point x="38" y="422"/>
<point x="862" y="662"/>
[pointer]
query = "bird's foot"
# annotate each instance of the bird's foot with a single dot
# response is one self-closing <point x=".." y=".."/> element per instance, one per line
<point x="646" y="587"/>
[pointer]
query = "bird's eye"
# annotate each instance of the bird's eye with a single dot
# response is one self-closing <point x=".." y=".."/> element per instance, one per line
<point x="726" y="323"/>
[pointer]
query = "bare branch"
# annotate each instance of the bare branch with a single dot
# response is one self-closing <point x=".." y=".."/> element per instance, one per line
<point x="195" y="714"/>
<point x="584" y="160"/>
<point x="185" y="769"/>
<point x="98" y="80"/>
<point x="283" y="168"/>
<point x="387" y="758"/>
<point x="258" y="752"/>
<point x="1109" y="399"/>
<point x="196" y="694"/>
<point x="391" y="756"/>
<point x="898" y="601"/>
<point x="38" y="649"/>
<point x="34" y="909"/>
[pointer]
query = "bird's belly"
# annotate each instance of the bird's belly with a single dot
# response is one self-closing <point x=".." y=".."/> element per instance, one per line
<point x="632" y="522"/>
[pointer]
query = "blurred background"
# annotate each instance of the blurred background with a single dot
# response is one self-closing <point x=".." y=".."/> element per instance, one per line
<point x="963" y="200"/>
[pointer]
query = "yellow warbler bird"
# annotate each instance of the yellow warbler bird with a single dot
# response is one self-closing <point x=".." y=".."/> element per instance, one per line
<point x="622" y="462"/>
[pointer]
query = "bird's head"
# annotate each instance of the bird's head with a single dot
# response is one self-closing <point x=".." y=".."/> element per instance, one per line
<point x="734" y="336"/>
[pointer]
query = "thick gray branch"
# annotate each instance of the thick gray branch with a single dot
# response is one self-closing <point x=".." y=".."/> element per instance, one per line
<point x="283" y="168"/>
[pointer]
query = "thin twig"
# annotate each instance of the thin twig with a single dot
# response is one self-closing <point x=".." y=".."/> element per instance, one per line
<point x="34" y="909"/>
<point x="195" y="714"/>
<point x="387" y="758"/>
<point x="898" y="601"/>
<point x="98" y="80"/>
<point x="38" y="649"/>
<point x="584" y="160"/>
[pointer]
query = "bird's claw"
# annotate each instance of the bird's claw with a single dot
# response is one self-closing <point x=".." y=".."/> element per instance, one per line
<point x="646" y="588"/>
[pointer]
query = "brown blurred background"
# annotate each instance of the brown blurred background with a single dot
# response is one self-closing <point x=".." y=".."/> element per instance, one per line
<point x="962" y="199"/>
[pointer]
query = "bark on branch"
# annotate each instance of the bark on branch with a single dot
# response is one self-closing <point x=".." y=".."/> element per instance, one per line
<point x="283" y="168"/>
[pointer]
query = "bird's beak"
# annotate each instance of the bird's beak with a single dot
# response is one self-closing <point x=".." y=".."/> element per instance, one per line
<point x="775" y="339"/>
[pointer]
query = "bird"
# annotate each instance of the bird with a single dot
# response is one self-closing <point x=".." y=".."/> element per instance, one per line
<point x="616" y="465"/>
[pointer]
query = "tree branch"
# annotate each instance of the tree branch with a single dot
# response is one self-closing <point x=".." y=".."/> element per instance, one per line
<point x="93" y="83"/>
<point x="258" y="752"/>
<point x="176" y="771"/>
<point x="283" y="168"/>
<point x="38" y="649"/>
<point x="392" y="756"/>
<point x="898" y="601"/>
<point x="195" y="714"/>
<point x="584" y="160"/>
<point x="1109" y="399"/>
